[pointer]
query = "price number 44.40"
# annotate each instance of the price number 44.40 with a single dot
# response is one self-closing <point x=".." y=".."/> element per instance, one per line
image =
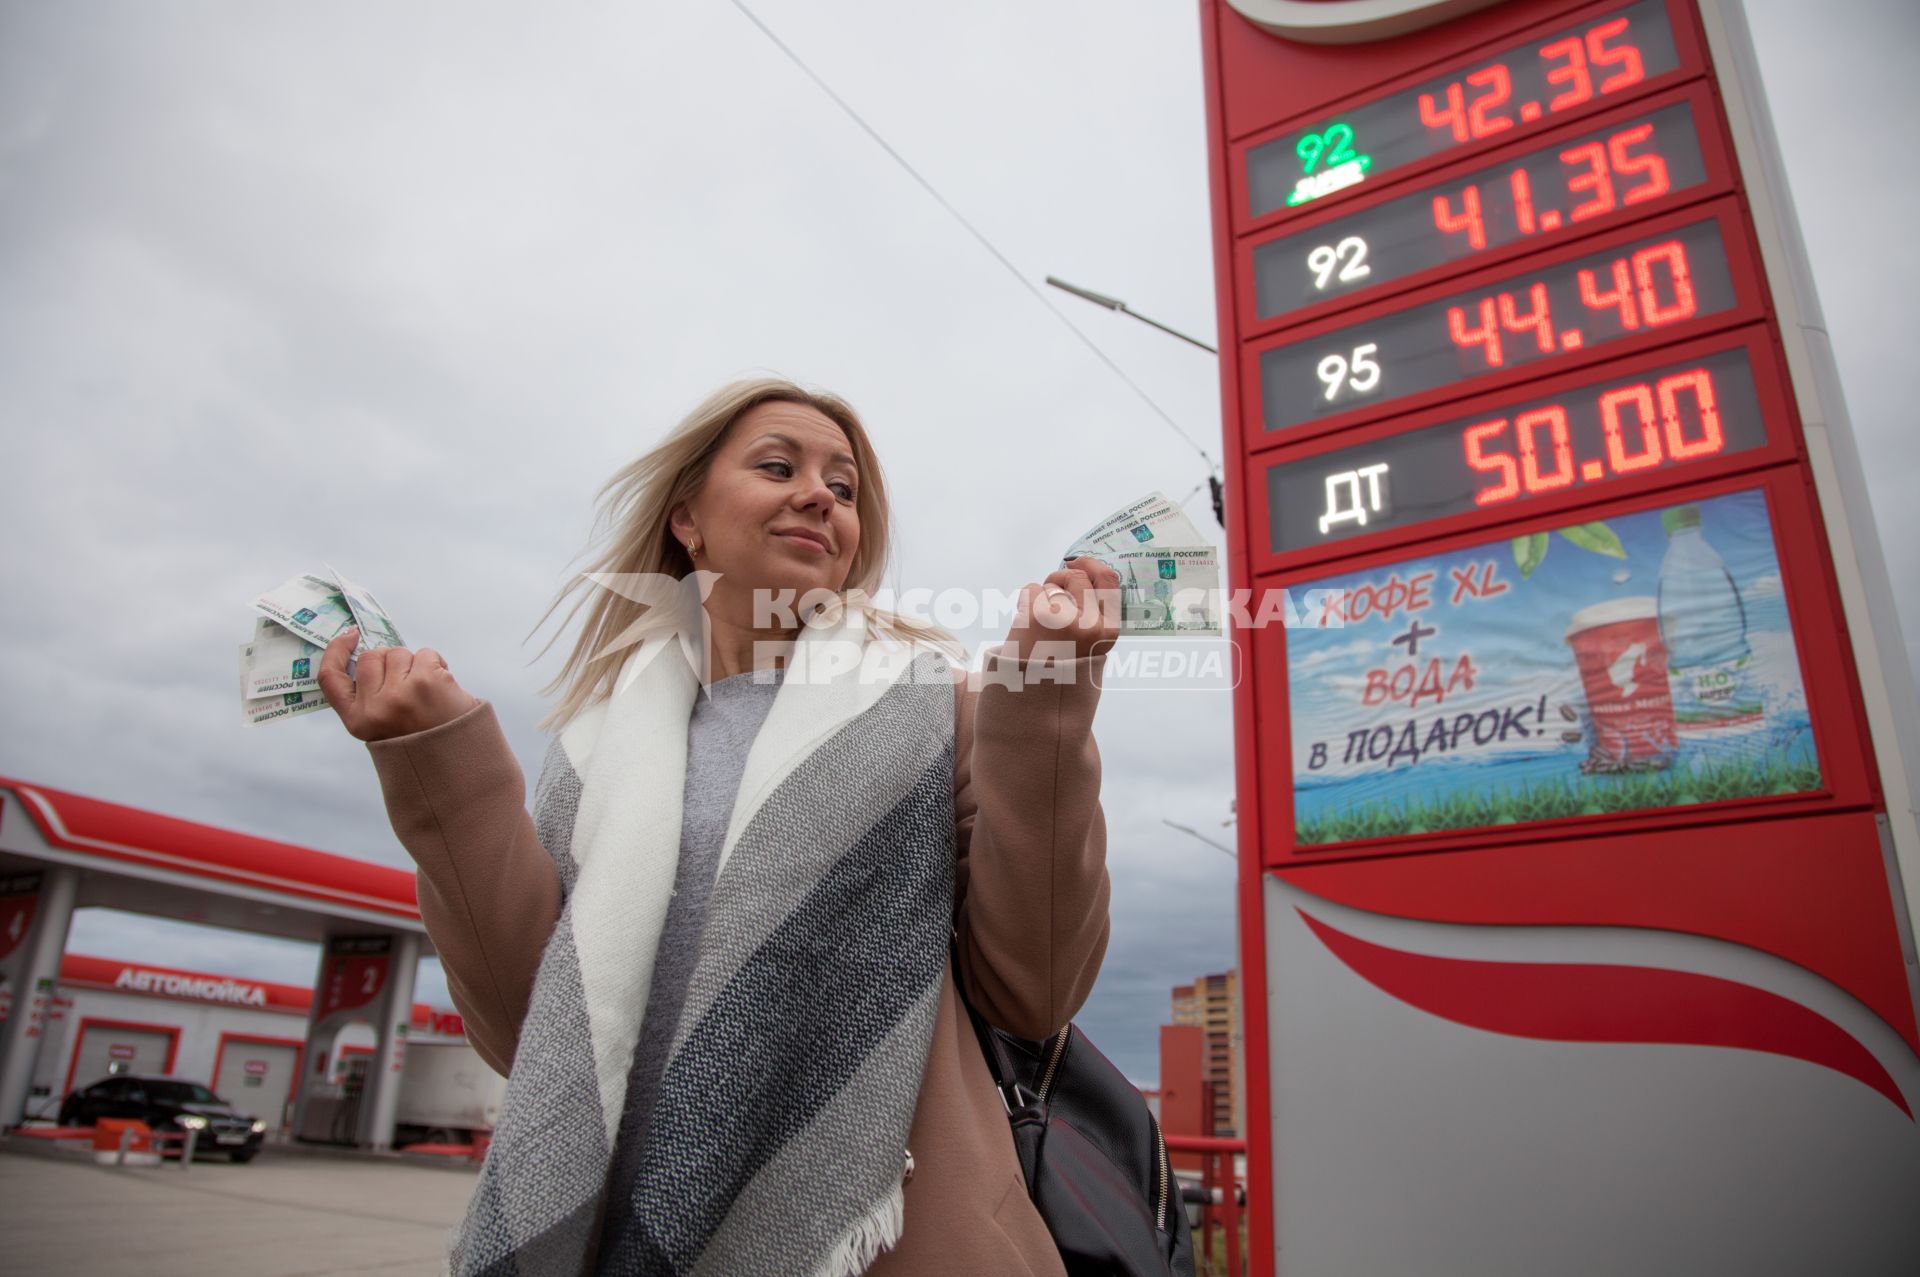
<point x="1632" y="302"/>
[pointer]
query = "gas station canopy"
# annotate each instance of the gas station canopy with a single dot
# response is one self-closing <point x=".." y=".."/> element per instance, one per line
<point x="143" y="862"/>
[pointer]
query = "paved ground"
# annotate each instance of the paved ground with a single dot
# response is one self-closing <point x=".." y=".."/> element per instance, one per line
<point x="279" y="1216"/>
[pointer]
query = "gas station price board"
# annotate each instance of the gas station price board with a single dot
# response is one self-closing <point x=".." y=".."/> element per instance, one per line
<point x="1595" y="686"/>
<point x="1574" y="66"/>
<point x="1643" y="285"/>
<point x="1512" y="288"/>
<point x="1611" y="428"/>
<point x="1636" y="160"/>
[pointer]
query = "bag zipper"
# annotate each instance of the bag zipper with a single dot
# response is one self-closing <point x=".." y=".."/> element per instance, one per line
<point x="1053" y="1062"/>
<point x="1163" y="1166"/>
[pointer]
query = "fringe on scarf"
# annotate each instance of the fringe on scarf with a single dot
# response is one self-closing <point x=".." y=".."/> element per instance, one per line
<point x="876" y="1231"/>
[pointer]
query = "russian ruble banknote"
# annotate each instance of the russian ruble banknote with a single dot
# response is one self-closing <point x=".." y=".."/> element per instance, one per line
<point x="1170" y="577"/>
<point x="277" y="660"/>
<point x="310" y="606"/>
<point x="1174" y="589"/>
<point x="265" y="709"/>
<point x="280" y="664"/>
<point x="376" y="627"/>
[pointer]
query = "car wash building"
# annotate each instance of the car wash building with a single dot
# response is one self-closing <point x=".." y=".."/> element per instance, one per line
<point x="244" y="1038"/>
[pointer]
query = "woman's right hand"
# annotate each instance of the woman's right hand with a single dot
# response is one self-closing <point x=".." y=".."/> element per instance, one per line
<point x="394" y="691"/>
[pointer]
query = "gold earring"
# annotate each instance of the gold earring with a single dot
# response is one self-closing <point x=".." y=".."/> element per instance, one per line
<point x="693" y="549"/>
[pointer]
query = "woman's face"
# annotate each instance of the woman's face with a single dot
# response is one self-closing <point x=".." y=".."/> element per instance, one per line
<point x="777" y="509"/>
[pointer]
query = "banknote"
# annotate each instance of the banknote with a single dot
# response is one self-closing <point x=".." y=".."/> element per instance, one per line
<point x="280" y="664"/>
<point x="1172" y="589"/>
<point x="1152" y="520"/>
<point x="1170" y="577"/>
<point x="376" y="627"/>
<point x="310" y="606"/>
<point x="266" y="709"/>
<point x="277" y="660"/>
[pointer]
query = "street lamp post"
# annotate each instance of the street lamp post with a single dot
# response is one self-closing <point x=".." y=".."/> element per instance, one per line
<point x="1189" y="830"/>
<point x="1114" y="303"/>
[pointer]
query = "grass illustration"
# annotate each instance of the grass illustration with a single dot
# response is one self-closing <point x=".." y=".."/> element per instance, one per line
<point x="1771" y="773"/>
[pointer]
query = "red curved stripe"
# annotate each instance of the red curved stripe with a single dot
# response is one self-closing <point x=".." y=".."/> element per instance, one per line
<point x="1814" y="891"/>
<point x="1587" y="1002"/>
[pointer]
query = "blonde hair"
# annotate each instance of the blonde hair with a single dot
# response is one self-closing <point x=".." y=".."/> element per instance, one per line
<point x="631" y="535"/>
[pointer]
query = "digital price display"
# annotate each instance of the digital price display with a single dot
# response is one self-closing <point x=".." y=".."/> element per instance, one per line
<point x="1568" y="69"/>
<point x="1622" y="426"/>
<point x="1585" y="301"/>
<point x="1638" y="159"/>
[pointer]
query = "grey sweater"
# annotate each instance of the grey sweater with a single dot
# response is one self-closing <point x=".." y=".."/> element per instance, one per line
<point x="719" y="734"/>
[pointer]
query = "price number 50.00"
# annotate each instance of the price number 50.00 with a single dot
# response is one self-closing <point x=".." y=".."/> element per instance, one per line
<point x="1674" y="419"/>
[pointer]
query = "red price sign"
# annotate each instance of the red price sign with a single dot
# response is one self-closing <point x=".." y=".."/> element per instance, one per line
<point x="352" y="981"/>
<point x="16" y="916"/>
<point x="1612" y="428"/>
<point x="1571" y="68"/>
<point x="1633" y="162"/>
<point x="1652" y="283"/>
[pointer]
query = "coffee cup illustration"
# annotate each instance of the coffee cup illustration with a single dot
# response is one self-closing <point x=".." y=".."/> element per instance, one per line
<point x="1623" y="670"/>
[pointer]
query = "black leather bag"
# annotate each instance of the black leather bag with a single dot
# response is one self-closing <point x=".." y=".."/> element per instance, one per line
<point x="1095" y="1162"/>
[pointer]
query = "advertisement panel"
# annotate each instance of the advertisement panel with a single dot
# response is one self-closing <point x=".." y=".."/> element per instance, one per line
<point x="1630" y="663"/>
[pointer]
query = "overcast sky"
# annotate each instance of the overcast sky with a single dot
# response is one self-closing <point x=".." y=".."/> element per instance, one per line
<point x="397" y="286"/>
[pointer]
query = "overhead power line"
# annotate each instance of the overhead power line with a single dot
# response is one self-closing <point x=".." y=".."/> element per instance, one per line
<point x="972" y="230"/>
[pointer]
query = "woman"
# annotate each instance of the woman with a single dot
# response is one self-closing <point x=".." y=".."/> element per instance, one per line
<point x="718" y="958"/>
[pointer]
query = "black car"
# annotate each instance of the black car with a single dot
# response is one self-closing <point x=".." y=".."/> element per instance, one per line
<point x="170" y="1105"/>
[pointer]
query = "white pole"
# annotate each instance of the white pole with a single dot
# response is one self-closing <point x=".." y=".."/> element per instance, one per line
<point x="25" y="1028"/>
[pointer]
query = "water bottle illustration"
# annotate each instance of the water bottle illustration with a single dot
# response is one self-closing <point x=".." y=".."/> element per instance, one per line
<point x="1704" y="626"/>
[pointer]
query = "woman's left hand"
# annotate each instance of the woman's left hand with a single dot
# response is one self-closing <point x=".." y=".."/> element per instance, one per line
<point x="1077" y="605"/>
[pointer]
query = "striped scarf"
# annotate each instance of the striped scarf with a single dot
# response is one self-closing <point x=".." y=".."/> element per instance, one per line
<point x="778" y="1135"/>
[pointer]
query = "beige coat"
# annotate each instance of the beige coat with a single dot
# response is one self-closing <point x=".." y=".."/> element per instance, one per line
<point x="1031" y="901"/>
